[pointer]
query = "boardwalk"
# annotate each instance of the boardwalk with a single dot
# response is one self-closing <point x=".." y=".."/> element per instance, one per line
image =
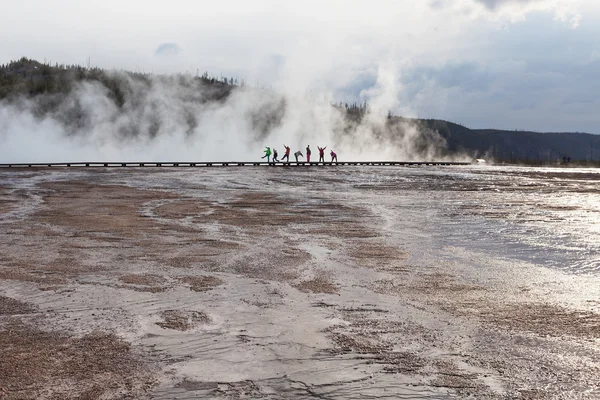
<point x="227" y="164"/>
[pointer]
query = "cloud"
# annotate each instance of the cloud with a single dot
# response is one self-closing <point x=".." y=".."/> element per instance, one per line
<point x="495" y="4"/>
<point x="529" y="94"/>
<point x="325" y="50"/>
<point x="565" y="11"/>
<point x="168" y="49"/>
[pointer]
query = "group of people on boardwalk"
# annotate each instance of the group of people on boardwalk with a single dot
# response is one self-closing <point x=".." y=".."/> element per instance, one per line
<point x="286" y="156"/>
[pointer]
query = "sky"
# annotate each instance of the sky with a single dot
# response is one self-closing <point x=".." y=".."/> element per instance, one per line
<point x="507" y="64"/>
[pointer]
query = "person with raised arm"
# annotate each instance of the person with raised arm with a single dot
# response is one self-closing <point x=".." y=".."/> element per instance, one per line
<point x="267" y="154"/>
<point x="322" y="153"/>
<point x="287" y="154"/>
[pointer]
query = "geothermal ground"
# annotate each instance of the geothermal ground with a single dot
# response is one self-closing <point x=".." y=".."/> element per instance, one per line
<point x="276" y="283"/>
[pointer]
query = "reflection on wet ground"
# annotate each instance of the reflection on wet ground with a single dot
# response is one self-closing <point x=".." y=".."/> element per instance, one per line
<point x="349" y="283"/>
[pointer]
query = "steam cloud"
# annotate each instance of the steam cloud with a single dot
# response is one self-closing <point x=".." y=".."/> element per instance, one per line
<point x="177" y="118"/>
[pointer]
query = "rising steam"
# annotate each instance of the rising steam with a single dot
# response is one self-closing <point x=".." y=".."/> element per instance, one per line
<point x="181" y="118"/>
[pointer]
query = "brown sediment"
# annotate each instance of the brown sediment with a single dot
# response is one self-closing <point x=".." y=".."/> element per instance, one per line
<point x="369" y="332"/>
<point x="376" y="351"/>
<point x="437" y="282"/>
<point x="558" y="175"/>
<point x="205" y="261"/>
<point x="506" y="210"/>
<point x="347" y="343"/>
<point x="382" y="341"/>
<point x="472" y="301"/>
<point x="10" y="199"/>
<point x="10" y="306"/>
<point x="96" y="209"/>
<point x="6" y="203"/>
<point x="31" y="263"/>
<point x="201" y="283"/>
<point x="541" y="319"/>
<point x="49" y="288"/>
<point x="149" y="283"/>
<point x="376" y="187"/>
<point x="145" y="289"/>
<point x="182" y="320"/>
<point x="533" y="394"/>
<point x="81" y="217"/>
<point x="267" y="270"/>
<point x="143" y="279"/>
<point x="344" y="230"/>
<point x="179" y="209"/>
<point x="196" y="251"/>
<point x="35" y="277"/>
<point x="557" y="208"/>
<point x="452" y="377"/>
<point x="37" y="364"/>
<point x="320" y="284"/>
<point x="443" y="286"/>
<point x="183" y="261"/>
<point x="260" y="213"/>
<point x="239" y="390"/>
<point x="279" y="265"/>
<point x="435" y="333"/>
<point x="247" y="210"/>
<point x="375" y="254"/>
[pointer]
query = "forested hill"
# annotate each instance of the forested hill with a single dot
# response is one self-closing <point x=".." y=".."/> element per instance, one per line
<point x="50" y="89"/>
<point x="517" y="146"/>
<point x="30" y="78"/>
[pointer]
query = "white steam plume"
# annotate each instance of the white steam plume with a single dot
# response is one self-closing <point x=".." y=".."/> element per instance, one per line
<point x="178" y="119"/>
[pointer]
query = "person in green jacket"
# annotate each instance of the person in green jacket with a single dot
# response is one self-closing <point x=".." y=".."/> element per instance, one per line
<point x="267" y="155"/>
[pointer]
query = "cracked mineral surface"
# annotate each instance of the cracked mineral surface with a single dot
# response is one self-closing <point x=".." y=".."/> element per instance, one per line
<point x="277" y="283"/>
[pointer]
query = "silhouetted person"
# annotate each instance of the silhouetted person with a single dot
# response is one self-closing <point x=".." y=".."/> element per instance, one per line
<point x="333" y="156"/>
<point x="298" y="154"/>
<point x="287" y="154"/>
<point x="308" y="153"/>
<point x="275" y="160"/>
<point x="322" y="154"/>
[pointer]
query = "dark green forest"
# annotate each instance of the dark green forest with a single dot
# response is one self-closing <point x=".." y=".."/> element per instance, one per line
<point x="49" y="85"/>
<point x="30" y="78"/>
<point x="517" y="146"/>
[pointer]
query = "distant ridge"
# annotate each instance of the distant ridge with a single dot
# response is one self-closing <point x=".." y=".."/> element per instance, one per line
<point x="517" y="146"/>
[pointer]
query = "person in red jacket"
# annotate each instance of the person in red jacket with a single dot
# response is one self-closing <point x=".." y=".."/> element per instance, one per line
<point x="287" y="154"/>
<point x="322" y="154"/>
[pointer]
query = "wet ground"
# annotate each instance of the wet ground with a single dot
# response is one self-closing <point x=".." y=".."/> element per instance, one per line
<point x="275" y="283"/>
